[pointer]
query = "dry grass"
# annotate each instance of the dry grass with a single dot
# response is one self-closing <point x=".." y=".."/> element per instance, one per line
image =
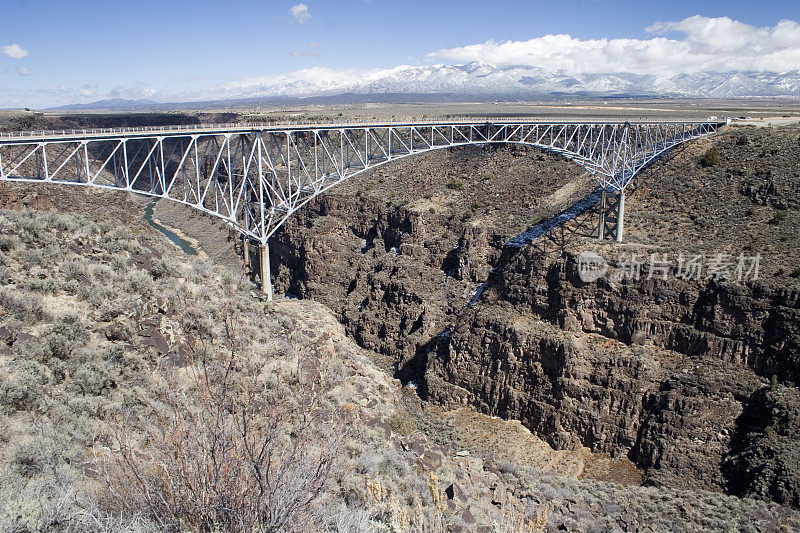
<point x="100" y="425"/>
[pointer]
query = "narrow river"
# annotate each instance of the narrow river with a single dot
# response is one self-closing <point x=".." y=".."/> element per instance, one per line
<point x="171" y="235"/>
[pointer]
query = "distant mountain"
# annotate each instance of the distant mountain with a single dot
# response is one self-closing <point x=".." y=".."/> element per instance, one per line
<point x="487" y="81"/>
<point x="471" y="82"/>
<point x="113" y="104"/>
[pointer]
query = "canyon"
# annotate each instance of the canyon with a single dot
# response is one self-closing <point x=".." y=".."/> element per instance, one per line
<point x="516" y="380"/>
<point x="687" y="378"/>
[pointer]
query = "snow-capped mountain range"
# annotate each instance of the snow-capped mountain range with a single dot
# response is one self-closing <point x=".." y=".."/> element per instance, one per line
<point x="487" y="81"/>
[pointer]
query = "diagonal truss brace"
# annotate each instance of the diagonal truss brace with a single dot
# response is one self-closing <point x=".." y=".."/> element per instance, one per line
<point x="254" y="177"/>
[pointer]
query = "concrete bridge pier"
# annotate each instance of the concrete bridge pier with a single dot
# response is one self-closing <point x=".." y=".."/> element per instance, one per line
<point x="246" y="252"/>
<point x="264" y="270"/>
<point x="620" y="214"/>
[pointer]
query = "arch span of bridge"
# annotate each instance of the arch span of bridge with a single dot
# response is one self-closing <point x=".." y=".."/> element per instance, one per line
<point x="254" y="176"/>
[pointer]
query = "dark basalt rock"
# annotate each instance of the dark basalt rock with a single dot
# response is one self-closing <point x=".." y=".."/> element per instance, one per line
<point x="667" y="372"/>
<point x="765" y="460"/>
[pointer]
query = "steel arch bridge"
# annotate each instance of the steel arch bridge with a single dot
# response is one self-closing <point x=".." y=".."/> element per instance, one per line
<point x="254" y="176"/>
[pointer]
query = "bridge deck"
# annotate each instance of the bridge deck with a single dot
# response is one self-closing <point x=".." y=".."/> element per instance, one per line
<point x="19" y="137"/>
<point x="255" y="175"/>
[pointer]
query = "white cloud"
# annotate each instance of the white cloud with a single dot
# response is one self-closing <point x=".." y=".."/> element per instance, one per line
<point x="312" y="51"/>
<point x="14" y="51"/>
<point x="708" y="44"/>
<point x="300" y="13"/>
<point x="693" y="45"/>
<point x="89" y="89"/>
<point x="22" y="71"/>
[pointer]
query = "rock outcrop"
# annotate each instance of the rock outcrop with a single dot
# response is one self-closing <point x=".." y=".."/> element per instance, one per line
<point x="665" y="372"/>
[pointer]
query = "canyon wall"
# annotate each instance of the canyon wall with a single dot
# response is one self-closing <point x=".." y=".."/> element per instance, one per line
<point x="689" y="379"/>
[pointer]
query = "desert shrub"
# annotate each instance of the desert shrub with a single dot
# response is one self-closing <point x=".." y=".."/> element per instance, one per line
<point x="257" y="450"/>
<point x="779" y="216"/>
<point x="118" y="263"/>
<point x="28" y="457"/>
<point x="23" y="388"/>
<point x="71" y="287"/>
<point x="38" y="487"/>
<point x="401" y="422"/>
<point x="72" y="327"/>
<point x="388" y="465"/>
<point x="27" y="308"/>
<point x="6" y="275"/>
<point x="795" y="273"/>
<point x="8" y="243"/>
<point x="31" y="257"/>
<point x="120" y="239"/>
<point x="66" y="222"/>
<point x="455" y="184"/>
<point x="710" y="157"/>
<point x="65" y="335"/>
<point x="103" y="273"/>
<point x="39" y="280"/>
<point x="32" y="229"/>
<point x="201" y="270"/>
<point x="44" y="503"/>
<point x="120" y="330"/>
<point x="111" y="309"/>
<point x="354" y="521"/>
<point x="103" y="227"/>
<point x="74" y="268"/>
<point x="97" y="295"/>
<point x="93" y="378"/>
<point x="201" y="322"/>
<point x="139" y="282"/>
<point x="507" y="466"/>
<point x="56" y="346"/>
<point x="159" y="268"/>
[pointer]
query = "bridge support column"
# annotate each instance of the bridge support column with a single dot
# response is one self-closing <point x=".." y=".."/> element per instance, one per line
<point x="266" y="282"/>
<point x="620" y="214"/>
<point x="246" y="251"/>
<point x="601" y="227"/>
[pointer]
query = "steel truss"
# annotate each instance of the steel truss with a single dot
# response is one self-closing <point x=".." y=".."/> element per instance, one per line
<point x="255" y="176"/>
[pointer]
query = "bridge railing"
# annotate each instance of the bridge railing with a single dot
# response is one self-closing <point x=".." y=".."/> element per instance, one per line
<point x="249" y="126"/>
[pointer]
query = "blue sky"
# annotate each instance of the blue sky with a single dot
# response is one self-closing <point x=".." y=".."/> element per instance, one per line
<point x="83" y="50"/>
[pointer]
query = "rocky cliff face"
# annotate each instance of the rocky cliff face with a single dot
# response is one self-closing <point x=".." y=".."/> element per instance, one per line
<point x="765" y="458"/>
<point x="755" y="325"/>
<point x="399" y="252"/>
<point x="662" y="372"/>
<point x="675" y="374"/>
<point x="392" y="276"/>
